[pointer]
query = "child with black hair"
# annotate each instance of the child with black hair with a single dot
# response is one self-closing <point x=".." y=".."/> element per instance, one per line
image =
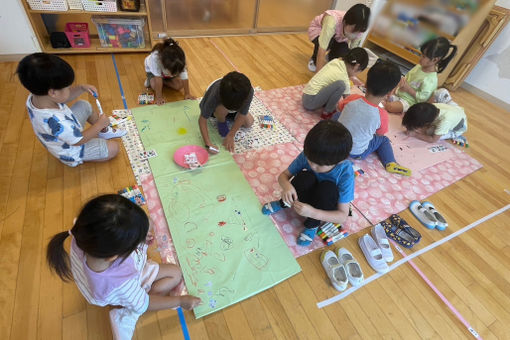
<point x="166" y="65"/>
<point x="367" y="122"/>
<point x="336" y="32"/>
<point x="433" y="122"/>
<point x="319" y="183"/>
<point x="420" y="82"/>
<point x="60" y="128"/>
<point x="228" y="98"/>
<point x="328" y="85"/>
<point x="108" y="262"/>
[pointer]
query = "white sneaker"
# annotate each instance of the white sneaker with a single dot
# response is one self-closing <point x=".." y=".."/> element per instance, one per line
<point x="373" y="254"/>
<point x="382" y="241"/>
<point x="311" y="66"/>
<point x="111" y="133"/>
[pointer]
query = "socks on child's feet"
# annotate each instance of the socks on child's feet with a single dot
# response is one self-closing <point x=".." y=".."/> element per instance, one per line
<point x="397" y="169"/>
<point x="306" y="237"/>
<point x="223" y="129"/>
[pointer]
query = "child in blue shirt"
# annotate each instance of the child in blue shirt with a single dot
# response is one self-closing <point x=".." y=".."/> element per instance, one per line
<point x="319" y="183"/>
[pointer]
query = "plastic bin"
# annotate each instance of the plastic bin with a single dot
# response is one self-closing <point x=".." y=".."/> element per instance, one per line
<point x="120" y="33"/>
<point x="100" y="6"/>
<point x="78" y="34"/>
<point x="48" y="5"/>
<point x="75" y="4"/>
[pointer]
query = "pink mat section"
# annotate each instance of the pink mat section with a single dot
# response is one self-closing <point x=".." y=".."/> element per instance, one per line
<point x="379" y="193"/>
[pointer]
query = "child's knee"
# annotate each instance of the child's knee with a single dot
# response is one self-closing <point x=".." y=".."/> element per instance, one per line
<point x="113" y="148"/>
<point x="248" y="120"/>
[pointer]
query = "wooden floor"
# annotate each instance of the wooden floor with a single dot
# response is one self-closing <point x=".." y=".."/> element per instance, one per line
<point x="42" y="196"/>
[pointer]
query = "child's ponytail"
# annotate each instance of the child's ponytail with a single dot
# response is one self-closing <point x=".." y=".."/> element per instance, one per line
<point x="171" y="55"/>
<point x="57" y="257"/>
<point x="357" y="55"/>
<point x="441" y="65"/>
<point x="439" y="48"/>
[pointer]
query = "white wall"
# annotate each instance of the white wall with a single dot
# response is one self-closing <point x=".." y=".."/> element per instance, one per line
<point x="16" y="35"/>
<point x="492" y="73"/>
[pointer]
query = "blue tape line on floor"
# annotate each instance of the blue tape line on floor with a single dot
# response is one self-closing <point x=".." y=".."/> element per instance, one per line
<point x="182" y="319"/>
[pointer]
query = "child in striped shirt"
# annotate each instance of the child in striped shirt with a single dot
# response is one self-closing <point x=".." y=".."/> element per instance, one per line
<point x="108" y="262"/>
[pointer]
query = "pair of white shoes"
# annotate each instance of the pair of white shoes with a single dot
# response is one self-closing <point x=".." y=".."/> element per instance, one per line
<point x="112" y="133"/>
<point x="427" y="214"/>
<point x="377" y="249"/>
<point x="341" y="268"/>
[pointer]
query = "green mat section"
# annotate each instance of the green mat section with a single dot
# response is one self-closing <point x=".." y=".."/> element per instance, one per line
<point x="227" y="249"/>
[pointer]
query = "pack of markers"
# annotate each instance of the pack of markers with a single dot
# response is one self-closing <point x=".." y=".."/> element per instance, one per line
<point x="133" y="194"/>
<point x="331" y="233"/>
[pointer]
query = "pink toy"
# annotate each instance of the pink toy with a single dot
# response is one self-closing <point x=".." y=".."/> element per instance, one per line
<point x="180" y="155"/>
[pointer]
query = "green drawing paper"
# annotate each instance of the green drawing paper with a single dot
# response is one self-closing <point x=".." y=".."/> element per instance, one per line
<point x="227" y="249"/>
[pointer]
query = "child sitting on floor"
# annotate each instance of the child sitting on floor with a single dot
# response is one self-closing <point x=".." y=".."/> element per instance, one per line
<point x="226" y="98"/>
<point x="319" y="183"/>
<point x="367" y="122"/>
<point x="326" y="87"/>
<point x="432" y="122"/>
<point x="166" y="65"/>
<point x="420" y="82"/>
<point x="109" y="263"/>
<point x="60" y="128"/>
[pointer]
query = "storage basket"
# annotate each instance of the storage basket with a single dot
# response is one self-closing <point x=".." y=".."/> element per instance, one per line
<point x="75" y="4"/>
<point x="48" y="5"/>
<point x="120" y="33"/>
<point x="100" y="6"/>
<point x="78" y="34"/>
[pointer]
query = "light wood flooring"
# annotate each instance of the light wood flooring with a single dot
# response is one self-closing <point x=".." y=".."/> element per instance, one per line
<point x="41" y="196"/>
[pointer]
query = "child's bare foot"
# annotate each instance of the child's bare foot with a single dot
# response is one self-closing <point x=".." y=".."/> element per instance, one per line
<point x="189" y="302"/>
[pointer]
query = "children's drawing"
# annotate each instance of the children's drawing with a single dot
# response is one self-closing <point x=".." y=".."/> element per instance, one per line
<point x="227" y="249"/>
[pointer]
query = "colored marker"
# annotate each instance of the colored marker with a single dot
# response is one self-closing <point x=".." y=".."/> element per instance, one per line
<point x="337" y="237"/>
<point x="212" y="148"/>
<point x="98" y="103"/>
<point x="327" y="227"/>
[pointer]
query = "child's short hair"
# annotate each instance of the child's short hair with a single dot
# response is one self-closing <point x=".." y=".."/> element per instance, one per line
<point x="328" y="143"/>
<point x="357" y="55"/>
<point x="171" y="55"/>
<point x="358" y="15"/>
<point x="382" y="78"/>
<point x="41" y="72"/>
<point x="420" y="115"/>
<point x="439" y="48"/>
<point x="234" y="90"/>
<point x="108" y="225"/>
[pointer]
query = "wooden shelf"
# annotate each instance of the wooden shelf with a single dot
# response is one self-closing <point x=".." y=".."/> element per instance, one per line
<point x="140" y="13"/>
<point x="95" y="47"/>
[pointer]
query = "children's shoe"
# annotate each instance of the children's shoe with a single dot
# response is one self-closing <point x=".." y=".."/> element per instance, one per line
<point x="271" y="208"/>
<point x="306" y="237"/>
<point x="398" y="169"/>
<point x="112" y="133"/>
<point x="223" y="129"/>
<point x="147" y="83"/>
<point x="335" y="270"/>
<point x="441" y="223"/>
<point x="373" y="254"/>
<point x="311" y="66"/>
<point x="379" y="236"/>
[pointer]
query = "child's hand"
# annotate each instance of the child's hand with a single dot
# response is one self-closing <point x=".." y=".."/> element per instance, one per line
<point x="189" y="96"/>
<point x="103" y="121"/>
<point x="289" y="195"/>
<point x="88" y="88"/>
<point x="189" y="302"/>
<point x="303" y="209"/>
<point x="212" y="149"/>
<point x="229" y="143"/>
<point x="404" y="85"/>
<point x="159" y="101"/>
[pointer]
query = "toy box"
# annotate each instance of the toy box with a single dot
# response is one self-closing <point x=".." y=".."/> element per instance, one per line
<point x="78" y="34"/>
<point x="120" y="33"/>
